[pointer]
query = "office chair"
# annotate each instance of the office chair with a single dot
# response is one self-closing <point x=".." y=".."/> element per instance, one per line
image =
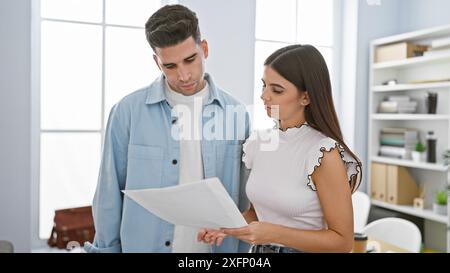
<point x="396" y="231"/>
<point x="6" y="247"/>
<point x="361" y="207"/>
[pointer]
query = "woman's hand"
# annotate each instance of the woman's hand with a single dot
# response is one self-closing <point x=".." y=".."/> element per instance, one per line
<point x="255" y="233"/>
<point x="210" y="236"/>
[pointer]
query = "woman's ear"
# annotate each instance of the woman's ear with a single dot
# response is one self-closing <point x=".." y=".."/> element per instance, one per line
<point x="304" y="98"/>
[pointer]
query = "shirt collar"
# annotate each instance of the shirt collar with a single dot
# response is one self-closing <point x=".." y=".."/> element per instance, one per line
<point x="156" y="93"/>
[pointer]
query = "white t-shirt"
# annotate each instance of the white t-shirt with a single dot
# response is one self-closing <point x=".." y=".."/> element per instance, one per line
<point x="191" y="164"/>
<point x="280" y="186"/>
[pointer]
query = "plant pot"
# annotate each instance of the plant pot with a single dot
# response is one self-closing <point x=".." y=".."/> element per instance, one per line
<point x="418" y="156"/>
<point x="440" y="209"/>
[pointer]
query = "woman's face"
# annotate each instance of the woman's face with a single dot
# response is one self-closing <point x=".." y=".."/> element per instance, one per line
<point x="280" y="94"/>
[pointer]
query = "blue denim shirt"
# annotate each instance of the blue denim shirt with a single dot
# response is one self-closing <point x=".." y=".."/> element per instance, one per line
<point x="139" y="152"/>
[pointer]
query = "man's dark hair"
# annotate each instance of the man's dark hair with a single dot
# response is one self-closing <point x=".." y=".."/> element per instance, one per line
<point x="171" y="25"/>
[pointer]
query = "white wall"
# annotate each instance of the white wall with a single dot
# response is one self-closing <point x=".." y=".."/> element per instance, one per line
<point x="229" y="28"/>
<point x="349" y="43"/>
<point x="418" y="14"/>
<point x="374" y="21"/>
<point x="361" y="23"/>
<point x="15" y="123"/>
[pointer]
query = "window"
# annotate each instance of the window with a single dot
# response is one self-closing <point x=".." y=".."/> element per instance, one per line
<point x="281" y="23"/>
<point x="92" y="53"/>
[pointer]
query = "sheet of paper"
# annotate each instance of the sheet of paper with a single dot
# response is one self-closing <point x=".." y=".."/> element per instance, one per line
<point x="202" y="204"/>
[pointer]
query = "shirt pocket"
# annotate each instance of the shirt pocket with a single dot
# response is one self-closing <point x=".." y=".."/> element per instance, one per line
<point x="145" y="166"/>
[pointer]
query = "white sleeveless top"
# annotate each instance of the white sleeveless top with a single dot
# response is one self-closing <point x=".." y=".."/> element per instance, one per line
<point x="280" y="185"/>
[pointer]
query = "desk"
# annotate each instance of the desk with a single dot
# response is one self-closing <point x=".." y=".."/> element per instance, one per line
<point x="379" y="246"/>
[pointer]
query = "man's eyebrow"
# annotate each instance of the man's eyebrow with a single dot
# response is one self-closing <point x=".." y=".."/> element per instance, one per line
<point x="190" y="57"/>
<point x="187" y="58"/>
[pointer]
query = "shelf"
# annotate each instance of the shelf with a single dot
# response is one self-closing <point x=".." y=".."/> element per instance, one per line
<point x="409" y="163"/>
<point x="404" y="87"/>
<point x="411" y="61"/>
<point x="414" y="35"/>
<point x="409" y="117"/>
<point x="422" y="213"/>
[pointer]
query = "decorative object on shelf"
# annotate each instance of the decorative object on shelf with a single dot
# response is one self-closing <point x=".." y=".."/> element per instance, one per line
<point x="397" y="142"/>
<point x="439" y="47"/>
<point x="392" y="184"/>
<point x="431" y="147"/>
<point x="398" y="51"/>
<point x="398" y="104"/>
<point x="390" y="82"/>
<point x="440" y="203"/>
<point x="440" y="43"/>
<point x="446" y="157"/>
<point x="419" y="202"/>
<point x="431" y="102"/>
<point x="419" y="155"/>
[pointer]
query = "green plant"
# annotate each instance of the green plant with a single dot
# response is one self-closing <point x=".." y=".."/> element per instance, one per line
<point x="420" y="147"/>
<point x="441" y="197"/>
<point x="446" y="154"/>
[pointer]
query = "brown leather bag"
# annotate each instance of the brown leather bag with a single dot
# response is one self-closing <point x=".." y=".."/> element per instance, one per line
<point x="74" y="225"/>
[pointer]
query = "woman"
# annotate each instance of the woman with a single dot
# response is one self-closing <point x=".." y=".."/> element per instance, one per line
<point x="300" y="192"/>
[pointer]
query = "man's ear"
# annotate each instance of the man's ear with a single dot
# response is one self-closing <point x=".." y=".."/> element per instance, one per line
<point x="155" y="58"/>
<point x="204" y="45"/>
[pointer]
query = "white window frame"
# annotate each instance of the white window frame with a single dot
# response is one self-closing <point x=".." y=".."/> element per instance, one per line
<point x="336" y="56"/>
<point x="36" y="131"/>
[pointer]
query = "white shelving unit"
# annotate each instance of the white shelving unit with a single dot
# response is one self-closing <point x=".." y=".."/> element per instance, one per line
<point x="411" y="164"/>
<point x="415" y="77"/>
<point x="409" y="117"/>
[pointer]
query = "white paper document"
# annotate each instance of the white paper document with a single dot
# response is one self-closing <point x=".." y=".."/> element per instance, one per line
<point x="202" y="204"/>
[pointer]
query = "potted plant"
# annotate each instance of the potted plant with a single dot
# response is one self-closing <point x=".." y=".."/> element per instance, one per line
<point x="419" y="155"/>
<point x="446" y="157"/>
<point x="440" y="203"/>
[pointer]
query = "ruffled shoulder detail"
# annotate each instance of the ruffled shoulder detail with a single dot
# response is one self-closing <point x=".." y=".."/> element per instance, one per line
<point x="249" y="149"/>
<point x="317" y="153"/>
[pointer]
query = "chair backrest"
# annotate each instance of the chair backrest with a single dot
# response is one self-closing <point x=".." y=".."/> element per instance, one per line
<point x="396" y="231"/>
<point x="361" y="208"/>
<point x="6" y="247"/>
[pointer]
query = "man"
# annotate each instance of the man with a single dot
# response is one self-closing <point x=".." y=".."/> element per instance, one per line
<point x="177" y="130"/>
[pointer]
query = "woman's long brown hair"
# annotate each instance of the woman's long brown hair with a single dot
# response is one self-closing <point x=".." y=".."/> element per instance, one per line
<point x="305" y="67"/>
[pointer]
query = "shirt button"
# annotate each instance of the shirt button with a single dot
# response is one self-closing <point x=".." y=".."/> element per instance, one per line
<point x="174" y="121"/>
<point x="167" y="243"/>
<point x="174" y="162"/>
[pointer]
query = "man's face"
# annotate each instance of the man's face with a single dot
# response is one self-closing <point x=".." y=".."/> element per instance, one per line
<point x="183" y="65"/>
